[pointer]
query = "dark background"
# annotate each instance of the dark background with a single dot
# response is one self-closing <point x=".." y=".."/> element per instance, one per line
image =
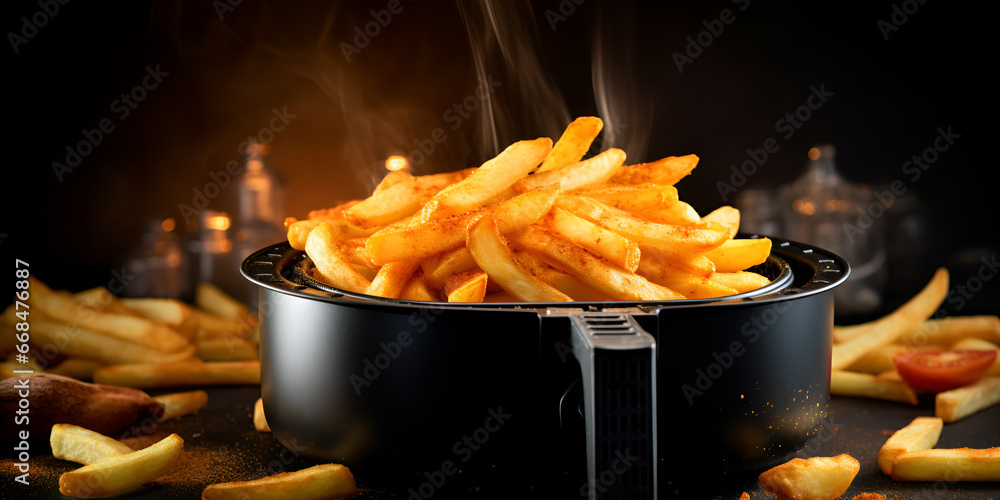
<point x="227" y="76"/>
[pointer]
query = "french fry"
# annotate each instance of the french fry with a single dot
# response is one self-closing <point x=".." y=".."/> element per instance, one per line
<point x="668" y="238"/>
<point x="951" y="465"/>
<point x="981" y="345"/>
<point x="438" y="268"/>
<point x="685" y="283"/>
<point x="959" y="403"/>
<point x="665" y="172"/>
<point x="678" y="213"/>
<point x="611" y="246"/>
<point x="142" y="331"/>
<point x="920" y="434"/>
<point x="489" y="180"/>
<point x="259" y="420"/>
<point x="492" y="253"/>
<point x="123" y="472"/>
<point x="80" y="342"/>
<point x="728" y="216"/>
<point x="423" y="240"/>
<point x="595" y="272"/>
<point x="214" y="300"/>
<point x="145" y="376"/>
<point x="101" y="299"/>
<point x="573" y="143"/>
<point x="228" y="348"/>
<point x="391" y="278"/>
<point x="952" y="329"/>
<point x="816" y="478"/>
<point x="695" y="264"/>
<point x="887" y="329"/>
<point x="469" y="286"/>
<point x="320" y="482"/>
<point x="565" y="283"/>
<point x="736" y="255"/>
<point x="589" y="172"/>
<point x="741" y="281"/>
<point x="331" y="266"/>
<point x="879" y="359"/>
<point x="865" y="385"/>
<point x="171" y="312"/>
<point x="78" y="368"/>
<point x="340" y="229"/>
<point x="636" y="199"/>
<point x="419" y="289"/>
<point x="178" y="404"/>
<point x="405" y="196"/>
<point x="212" y="326"/>
<point x="83" y="446"/>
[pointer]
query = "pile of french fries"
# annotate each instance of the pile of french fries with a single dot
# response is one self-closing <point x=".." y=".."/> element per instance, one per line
<point x="138" y="342"/>
<point x="862" y="354"/>
<point x="537" y="223"/>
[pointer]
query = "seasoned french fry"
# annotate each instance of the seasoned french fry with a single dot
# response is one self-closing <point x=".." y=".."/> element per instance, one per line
<point x="83" y="446"/>
<point x="865" y="385"/>
<point x="320" y="482"/>
<point x="565" y="283"/>
<point x="741" y="281"/>
<point x="887" y="329"/>
<point x="178" y="404"/>
<point x="573" y="143"/>
<point x="404" y="197"/>
<point x="695" y="264"/>
<point x="816" y="478"/>
<point x="123" y="472"/>
<point x="683" y="282"/>
<point x="959" y="403"/>
<point x="636" y="199"/>
<point x="589" y="172"/>
<point x="666" y="171"/>
<point x="438" y="268"/>
<point x="469" y="286"/>
<point x="611" y="246"/>
<point x="920" y="434"/>
<point x="171" y="312"/>
<point x="678" y="213"/>
<point x="727" y="216"/>
<point x="492" y="253"/>
<point x="419" y="288"/>
<point x="492" y="178"/>
<point x="941" y="464"/>
<point x="259" y="420"/>
<point x="331" y="266"/>
<point x="736" y="255"/>
<point x="145" y="376"/>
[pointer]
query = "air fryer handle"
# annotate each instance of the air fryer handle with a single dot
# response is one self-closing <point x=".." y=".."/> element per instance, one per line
<point x="618" y="363"/>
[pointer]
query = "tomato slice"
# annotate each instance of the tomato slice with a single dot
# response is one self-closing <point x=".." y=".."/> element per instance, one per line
<point x="942" y="370"/>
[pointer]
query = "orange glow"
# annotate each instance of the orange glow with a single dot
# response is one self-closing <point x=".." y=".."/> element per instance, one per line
<point x="219" y="222"/>
<point x="836" y="205"/>
<point x="168" y="224"/>
<point x="804" y="207"/>
<point x="814" y="153"/>
<point x="396" y="162"/>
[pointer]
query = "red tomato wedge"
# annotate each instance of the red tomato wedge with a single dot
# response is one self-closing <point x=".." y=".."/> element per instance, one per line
<point x="942" y="370"/>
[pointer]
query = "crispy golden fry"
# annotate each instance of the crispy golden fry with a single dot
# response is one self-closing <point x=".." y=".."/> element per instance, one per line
<point x="78" y="368"/>
<point x="744" y="496"/>
<point x="879" y="359"/>
<point x="493" y="255"/>
<point x="816" y="478"/>
<point x="83" y="446"/>
<point x="402" y="198"/>
<point x="668" y="238"/>
<point x="320" y="482"/>
<point x="573" y="143"/>
<point x="887" y="329"/>
<point x="469" y="286"/>
<point x="678" y="213"/>
<point x="124" y="472"/>
<point x="171" y="312"/>
<point x="178" y="404"/>
<point x="101" y="299"/>
<point x="214" y="300"/>
<point x="142" y="331"/>
<point x="565" y="283"/>
<point x="683" y="282"/>
<point x="492" y="178"/>
<point x="666" y="171"/>
<point x="950" y="330"/>
<point x="391" y="278"/>
<point x="920" y="434"/>
<point x="75" y="341"/>
<point x="595" y="272"/>
<point x="727" y="216"/>
<point x="736" y="255"/>
<point x="211" y="326"/>
<point x="741" y="281"/>
<point x="611" y="246"/>
<point x="959" y="403"/>
<point x="331" y="266"/>
<point x="228" y="348"/>
<point x="586" y="173"/>
<point x="438" y="268"/>
<point x="259" y="420"/>
<point x="419" y="288"/>
<point x="637" y="199"/>
<point x="865" y="385"/>
<point x="957" y="464"/>
<point x="423" y="240"/>
<point x="695" y="264"/>
<point x="146" y="376"/>
<point x="340" y="228"/>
